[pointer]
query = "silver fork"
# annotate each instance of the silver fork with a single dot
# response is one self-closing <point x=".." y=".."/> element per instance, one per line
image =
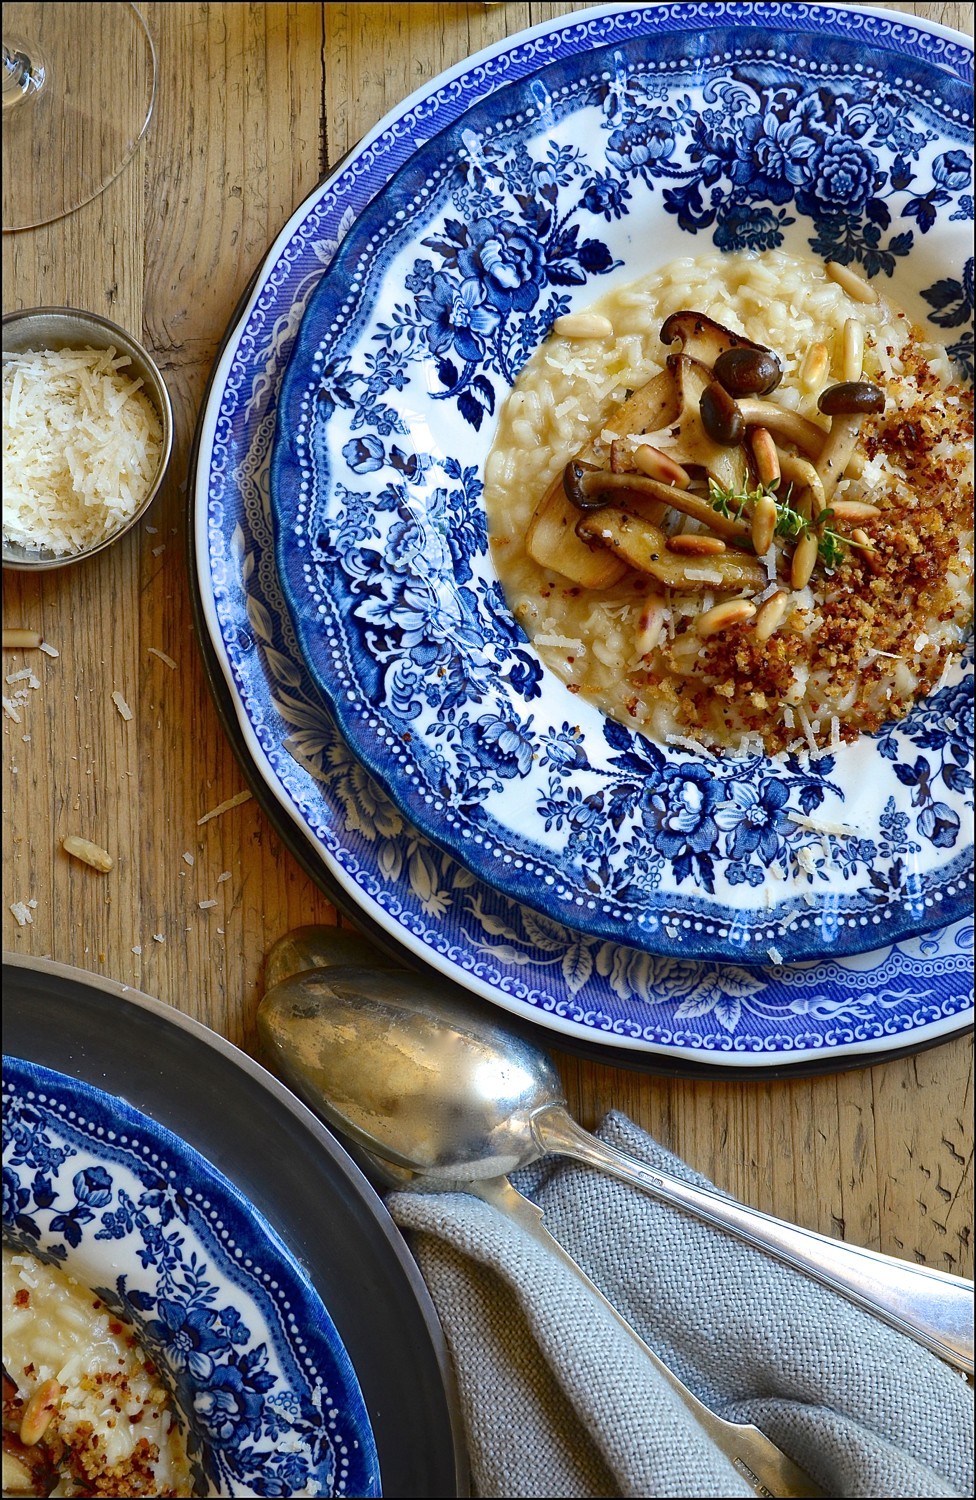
<point x="759" y="1461"/>
<point x="755" y="1456"/>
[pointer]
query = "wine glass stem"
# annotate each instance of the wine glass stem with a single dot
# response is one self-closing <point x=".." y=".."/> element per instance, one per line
<point x="23" y="72"/>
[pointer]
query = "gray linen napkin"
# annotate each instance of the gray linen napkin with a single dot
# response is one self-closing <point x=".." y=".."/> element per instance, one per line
<point x="557" y="1401"/>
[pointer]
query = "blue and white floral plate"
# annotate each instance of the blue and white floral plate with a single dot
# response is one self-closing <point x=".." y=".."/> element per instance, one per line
<point x="589" y="988"/>
<point x="596" y="169"/>
<point x="255" y="1367"/>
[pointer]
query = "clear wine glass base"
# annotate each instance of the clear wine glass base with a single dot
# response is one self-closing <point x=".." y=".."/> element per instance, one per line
<point x="79" y="84"/>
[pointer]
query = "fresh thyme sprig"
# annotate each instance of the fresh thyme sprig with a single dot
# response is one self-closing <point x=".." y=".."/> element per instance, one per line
<point x="734" y="504"/>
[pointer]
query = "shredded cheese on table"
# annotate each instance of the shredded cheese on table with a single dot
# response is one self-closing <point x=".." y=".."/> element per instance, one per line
<point x="81" y="446"/>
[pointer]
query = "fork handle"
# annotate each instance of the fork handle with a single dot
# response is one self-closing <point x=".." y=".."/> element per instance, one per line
<point x="752" y="1454"/>
<point x="932" y="1307"/>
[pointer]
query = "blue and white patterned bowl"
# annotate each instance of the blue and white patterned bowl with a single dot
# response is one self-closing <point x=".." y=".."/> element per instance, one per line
<point x="681" y="128"/>
<point x="253" y="1362"/>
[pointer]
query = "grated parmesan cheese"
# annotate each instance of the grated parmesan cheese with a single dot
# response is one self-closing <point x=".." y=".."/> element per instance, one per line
<point x="81" y="447"/>
<point x="222" y="807"/>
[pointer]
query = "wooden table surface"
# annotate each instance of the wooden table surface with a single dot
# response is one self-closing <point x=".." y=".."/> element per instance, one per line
<point x="254" y="103"/>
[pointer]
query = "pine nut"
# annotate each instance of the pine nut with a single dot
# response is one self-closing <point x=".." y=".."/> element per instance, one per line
<point x="17" y="1478"/>
<point x="770" y="615"/>
<point x="854" y="510"/>
<point x="849" y="281"/>
<point x="725" y="616"/>
<point x="763" y="524"/>
<point x="650" y="627"/>
<point x="695" y="544"/>
<point x="662" y="466"/>
<point x="40" y="1408"/>
<point x="584" y="325"/>
<point x="766" y="457"/>
<point x="804" y="559"/>
<point x="868" y="550"/>
<point x="87" y="852"/>
<point x="21" y="640"/>
<point x="852" y="362"/>
<point x="816" y="363"/>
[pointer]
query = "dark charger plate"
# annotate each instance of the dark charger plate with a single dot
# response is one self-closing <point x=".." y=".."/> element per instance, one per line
<point x="251" y="1128"/>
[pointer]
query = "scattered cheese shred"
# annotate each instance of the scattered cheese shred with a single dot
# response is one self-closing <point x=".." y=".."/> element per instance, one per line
<point x="122" y="706"/>
<point x="223" y="807"/>
<point x="950" y="662"/>
<point x="206" y="905"/>
<point x="48" y="649"/>
<point x="166" y="660"/>
<point x="22" y="912"/>
<point x="81" y="447"/>
<point x="821" y="826"/>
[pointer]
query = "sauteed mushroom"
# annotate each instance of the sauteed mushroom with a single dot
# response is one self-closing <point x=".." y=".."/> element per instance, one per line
<point x="846" y="404"/>
<point x="644" y="546"/>
<point x="748" y="372"/>
<point x="706" y="414"/>
<point x="701" y="338"/>
<point x="687" y="436"/>
<point x="721" y="417"/>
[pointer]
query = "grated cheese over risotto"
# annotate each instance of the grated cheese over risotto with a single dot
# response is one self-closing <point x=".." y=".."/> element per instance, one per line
<point x="81" y="446"/>
<point x="84" y="1412"/>
<point x="771" y="650"/>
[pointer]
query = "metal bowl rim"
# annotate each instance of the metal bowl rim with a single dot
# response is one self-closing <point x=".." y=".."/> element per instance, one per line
<point x="160" y="397"/>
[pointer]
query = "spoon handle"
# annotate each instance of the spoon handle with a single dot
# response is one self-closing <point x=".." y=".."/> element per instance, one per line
<point x="930" y="1306"/>
<point x="754" y="1456"/>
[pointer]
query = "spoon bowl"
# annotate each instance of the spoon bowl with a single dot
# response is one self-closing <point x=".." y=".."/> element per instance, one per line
<point x="412" y="1071"/>
<point x="430" y="1084"/>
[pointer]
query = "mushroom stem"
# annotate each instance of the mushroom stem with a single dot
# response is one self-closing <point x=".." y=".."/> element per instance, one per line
<point x="789" y="425"/>
<point x="591" y="489"/>
<point x="836" y="453"/>
<point x="801" y="473"/>
<point x="695" y="506"/>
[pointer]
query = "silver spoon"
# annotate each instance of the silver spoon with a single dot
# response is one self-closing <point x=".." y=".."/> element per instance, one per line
<point x="415" y="1072"/>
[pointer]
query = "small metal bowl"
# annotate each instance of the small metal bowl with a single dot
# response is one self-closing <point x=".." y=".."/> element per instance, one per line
<point x="67" y="328"/>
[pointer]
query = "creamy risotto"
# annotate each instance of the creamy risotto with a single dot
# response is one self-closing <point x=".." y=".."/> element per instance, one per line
<point x="84" y="1412"/>
<point x="732" y="504"/>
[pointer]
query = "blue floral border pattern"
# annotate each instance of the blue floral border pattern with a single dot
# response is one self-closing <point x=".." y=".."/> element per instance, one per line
<point x="267" y="1396"/>
<point x="537" y="966"/>
<point x="382" y="546"/>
